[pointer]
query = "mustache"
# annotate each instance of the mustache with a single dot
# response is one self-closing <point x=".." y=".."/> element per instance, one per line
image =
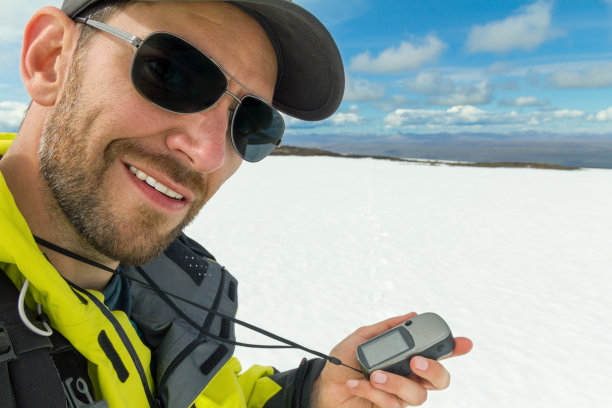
<point x="175" y="169"/>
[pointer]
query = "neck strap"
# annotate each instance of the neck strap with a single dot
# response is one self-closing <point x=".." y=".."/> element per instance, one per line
<point x="166" y="298"/>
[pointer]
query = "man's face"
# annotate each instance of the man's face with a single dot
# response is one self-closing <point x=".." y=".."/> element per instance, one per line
<point x="102" y="132"/>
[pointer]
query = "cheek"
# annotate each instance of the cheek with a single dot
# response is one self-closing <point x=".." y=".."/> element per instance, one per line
<point x="128" y="115"/>
<point x="106" y="84"/>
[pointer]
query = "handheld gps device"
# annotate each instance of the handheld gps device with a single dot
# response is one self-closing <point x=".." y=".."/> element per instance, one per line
<point x="425" y="335"/>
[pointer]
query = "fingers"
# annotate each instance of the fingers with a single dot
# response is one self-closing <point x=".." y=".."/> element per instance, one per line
<point x="463" y="345"/>
<point x="432" y="375"/>
<point x="388" y="391"/>
<point x="391" y="391"/>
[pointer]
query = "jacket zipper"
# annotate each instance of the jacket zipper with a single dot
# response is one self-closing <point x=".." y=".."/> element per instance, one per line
<point x="127" y="344"/>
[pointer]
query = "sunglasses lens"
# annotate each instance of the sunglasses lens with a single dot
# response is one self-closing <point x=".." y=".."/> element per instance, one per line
<point x="175" y="75"/>
<point x="257" y="129"/>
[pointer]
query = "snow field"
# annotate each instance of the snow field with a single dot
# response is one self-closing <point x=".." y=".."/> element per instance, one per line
<point x="516" y="259"/>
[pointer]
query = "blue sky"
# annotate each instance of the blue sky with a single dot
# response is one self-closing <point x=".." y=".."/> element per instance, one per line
<point x="435" y="66"/>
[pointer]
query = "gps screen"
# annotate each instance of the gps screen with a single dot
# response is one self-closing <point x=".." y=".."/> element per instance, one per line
<point x="387" y="346"/>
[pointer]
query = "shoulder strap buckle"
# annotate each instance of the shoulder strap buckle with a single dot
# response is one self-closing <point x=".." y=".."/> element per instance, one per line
<point x="7" y="350"/>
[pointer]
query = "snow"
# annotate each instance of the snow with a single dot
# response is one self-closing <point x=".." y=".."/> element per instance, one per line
<point x="516" y="259"/>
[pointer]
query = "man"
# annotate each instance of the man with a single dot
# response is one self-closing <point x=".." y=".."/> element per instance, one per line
<point x="140" y="111"/>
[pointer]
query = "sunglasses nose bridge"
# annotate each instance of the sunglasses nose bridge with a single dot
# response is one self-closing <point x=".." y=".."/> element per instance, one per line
<point x="233" y="96"/>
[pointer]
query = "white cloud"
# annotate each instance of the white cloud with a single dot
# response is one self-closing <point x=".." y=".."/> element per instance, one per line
<point x="361" y="90"/>
<point x="406" y="57"/>
<point x="567" y="114"/>
<point x="395" y="101"/>
<point x="338" y="119"/>
<point x="526" y="30"/>
<point x="11" y="114"/>
<point x="455" y="115"/>
<point x="479" y="94"/>
<point x="523" y="101"/>
<point x="430" y="83"/>
<point x="292" y="123"/>
<point x="466" y="115"/>
<point x="555" y="116"/>
<point x="593" y="77"/>
<point x="402" y="117"/>
<point x="604" y="115"/>
<point x="345" y="118"/>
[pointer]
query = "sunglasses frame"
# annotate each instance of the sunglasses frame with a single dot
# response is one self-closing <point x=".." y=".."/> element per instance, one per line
<point x="137" y="42"/>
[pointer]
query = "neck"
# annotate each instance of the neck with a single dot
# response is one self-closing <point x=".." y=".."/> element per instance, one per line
<point x="20" y="169"/>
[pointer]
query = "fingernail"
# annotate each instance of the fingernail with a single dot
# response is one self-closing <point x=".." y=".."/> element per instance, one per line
<point x="352" y="383"/>
<point x="379" y="378"/>
<point x="421" y="364"/>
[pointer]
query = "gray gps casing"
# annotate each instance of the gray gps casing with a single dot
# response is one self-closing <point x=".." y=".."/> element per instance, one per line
<point x="425" y="335"/>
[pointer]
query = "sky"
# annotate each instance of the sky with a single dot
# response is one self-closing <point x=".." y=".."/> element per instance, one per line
<point x="435" y="66"/>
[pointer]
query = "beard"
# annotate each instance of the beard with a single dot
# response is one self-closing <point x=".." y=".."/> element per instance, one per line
<point x="76" y="170"/>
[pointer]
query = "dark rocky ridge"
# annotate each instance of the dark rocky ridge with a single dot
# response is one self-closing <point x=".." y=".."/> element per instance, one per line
<point x="307" y="151"/>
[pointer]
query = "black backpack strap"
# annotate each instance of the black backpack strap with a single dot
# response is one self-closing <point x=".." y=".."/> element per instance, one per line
<point x="7" y="399"/>
<point x="28" y="377"/>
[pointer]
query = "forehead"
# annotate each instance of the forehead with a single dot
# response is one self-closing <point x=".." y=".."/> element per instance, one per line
<point x="222" y="31"/>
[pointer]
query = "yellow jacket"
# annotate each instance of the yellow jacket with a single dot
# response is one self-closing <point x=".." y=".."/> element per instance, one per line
<point x="81" y="317"/>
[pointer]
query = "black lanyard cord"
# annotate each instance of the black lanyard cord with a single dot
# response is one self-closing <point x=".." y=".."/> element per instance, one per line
<point x="165" y="296"/>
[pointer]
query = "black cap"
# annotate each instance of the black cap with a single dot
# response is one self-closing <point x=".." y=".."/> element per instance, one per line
<point x="310" y="82"/>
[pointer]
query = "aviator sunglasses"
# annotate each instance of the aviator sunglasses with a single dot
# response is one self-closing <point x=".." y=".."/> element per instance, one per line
<point x="176" y="76"/>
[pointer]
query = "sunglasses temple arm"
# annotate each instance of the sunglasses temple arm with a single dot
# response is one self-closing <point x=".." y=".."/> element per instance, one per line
<point x="125" y="36"/>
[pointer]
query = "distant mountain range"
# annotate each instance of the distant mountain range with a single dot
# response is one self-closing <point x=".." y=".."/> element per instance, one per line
<point x="307" y="151"/>
<point x="529" y="148"/>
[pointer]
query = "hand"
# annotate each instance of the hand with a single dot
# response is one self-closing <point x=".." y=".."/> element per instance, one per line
<point x="341" y="387"/>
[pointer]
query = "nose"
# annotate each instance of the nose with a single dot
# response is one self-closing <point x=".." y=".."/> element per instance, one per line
<point x="203" y="139"/>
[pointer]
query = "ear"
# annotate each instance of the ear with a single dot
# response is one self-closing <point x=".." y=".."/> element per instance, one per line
<point x="49" y="40"/>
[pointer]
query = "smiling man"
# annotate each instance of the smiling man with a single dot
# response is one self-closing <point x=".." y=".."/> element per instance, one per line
<point x="140" y="111"/>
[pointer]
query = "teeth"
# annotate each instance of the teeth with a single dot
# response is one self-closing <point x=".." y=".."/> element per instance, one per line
<point x="151" y="181"/>
<point x="155" y="184"/>
<point x="161" y="188"/>
<point x="139" y="174"/>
